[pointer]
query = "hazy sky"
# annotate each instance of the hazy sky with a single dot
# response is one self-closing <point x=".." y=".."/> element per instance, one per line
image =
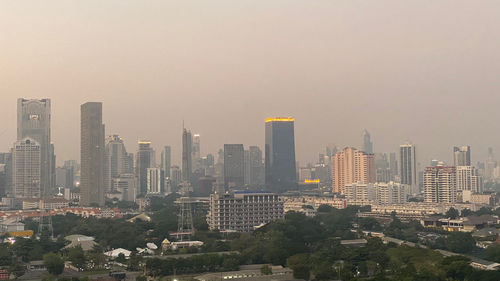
<point x="425" y="71"/>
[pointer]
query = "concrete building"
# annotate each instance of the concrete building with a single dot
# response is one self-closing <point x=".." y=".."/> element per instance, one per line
<point x="155" y="181"/>
<point x="461" y="156"/>
<point x="254" y="167"/>
<point x="196" y="153"/>
<point x="116" y="161"/>
<point x="234" y="173"/>
<point x="243" y="211"/>
<point x="351" y="166"/>
<point x="64" y="177"/>
<point x="26" y="159"/>
<point x="143" y="160"/>
<point x="127" y="185"/>
<point x="187" y="155"/>
<point x="280" y="166"/>
<point x="33" y="121"/>
<point x="408" y="165"/>
<point x="166" y="160"/>
<point x="92" y="155"/>
<point x="367" y="146"/>
<point x="375" y="193"/>
<point x="440" y="184"/>
<point x="468" y="178"/>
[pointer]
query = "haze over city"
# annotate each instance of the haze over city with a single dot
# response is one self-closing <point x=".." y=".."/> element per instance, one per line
<point x="419" y="71"/>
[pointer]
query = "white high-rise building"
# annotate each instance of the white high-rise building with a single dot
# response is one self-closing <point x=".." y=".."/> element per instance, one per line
<point x="408" y="166"/>
<point x="155" y="181"/>
<point x="468" y="178"/>
<point x="440" y="184"/>
<point x="26" y="162"/>
<point x="376" y="193"/>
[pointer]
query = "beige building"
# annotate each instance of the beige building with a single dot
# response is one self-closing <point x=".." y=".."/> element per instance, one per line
<point x="468" y="178"/>
<point x="350" y="166"/>
<point x="440" y="184"/>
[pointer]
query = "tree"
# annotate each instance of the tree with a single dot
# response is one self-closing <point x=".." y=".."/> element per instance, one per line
<point x="300" y="265"/>
<point x="54" y="263"/>
<point x="77" y="256"/>
<point x="466" y="212"/>
<point x="460" y="242"/>
<point x="493" y="253"/>
<point x="452" y="213"/>
<point x="121" y="258"/>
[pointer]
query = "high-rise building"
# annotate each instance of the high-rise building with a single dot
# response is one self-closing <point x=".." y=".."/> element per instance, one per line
<point x="440" y="184"/>
<point x="92" y="155"/>
<point x="408" y="164"/>
<point x="175" y="176"/>
<point x="127" y="185"/>
<point x="155" y="181"/>
<point x="383" y="172"/>
<point x="393" y="164"/>
<point x="33" y="121"/>
<point x="6" y="161"/>
<point x="234" y="173"/>
<point x="26" y="179"/>
<point x="468" y="178"/>
<point x="351" y="166"/>
<point x="367" y="143"/>
<point x="187" y="156"/>
<point x="64" y="177"/>
<point x="256" y="167"/>
<point x="280" y="166"/>
<point x="166" y="160"/>
<point x="143" y="162"/>
<point x="196" y="153"/>
<point x="461" y="156"/>
<point x="116" y="160"/>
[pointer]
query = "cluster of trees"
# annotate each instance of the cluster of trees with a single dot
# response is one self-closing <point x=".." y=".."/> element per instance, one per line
<point x="193" y="264"/>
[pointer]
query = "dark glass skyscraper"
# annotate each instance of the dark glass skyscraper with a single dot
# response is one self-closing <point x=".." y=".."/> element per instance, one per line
<point x="143" y="162"/>
<point x="280" y="154"/>
<point x="234" y="172"/>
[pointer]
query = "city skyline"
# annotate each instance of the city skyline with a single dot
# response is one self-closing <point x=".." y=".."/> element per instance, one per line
<point x="347" y="65"/>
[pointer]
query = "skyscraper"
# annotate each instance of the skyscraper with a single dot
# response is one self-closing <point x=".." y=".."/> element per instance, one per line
<point x="440" y="184"/>
<point x="187" y="157"/>
<point x="92" y="155"/>
<point x="196" y="153"/>
<point x="468" y="178"/>
<point x="116" y="160"/>
<point x="33" y="121"/>
<point x="166" y="160"/>
<point x="155" y="181"/>
<point x="143" y="162"/>
<point x="352" y="166"/>
<point x="26" y="158"/>
<point x="281" y="174"/>
<point x="256" y="167"/>
<point x="367" y="143"/>
<point x="408" y="164"/>
<point x="234" y="173"/>
<point x="461" y="156"/>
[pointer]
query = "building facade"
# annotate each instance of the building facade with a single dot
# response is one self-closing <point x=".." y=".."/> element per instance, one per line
<point x="440" y="184"/>
<point x="143" y="160"/>
<point x="351" y="166"/>
<point x="280" y="171"/>
<point x="166" y="160"/>
<point x="367" y="143"/>
<point x="26" y="178"/>
<point x="408" y="166"/>
<point x="116" y="160"/>
<point x="243" y="211"/>
<point x="468" y="178"/>
<point x="92" y="155"/>
<point x="187" y="155"/>
<point x="461" y="156"/>
<point x="155" y="181"/>
<point x="234" y="173"/>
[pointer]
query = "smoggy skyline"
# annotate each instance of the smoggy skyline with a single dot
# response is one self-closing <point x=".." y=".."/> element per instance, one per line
<point x="424" y="71"/>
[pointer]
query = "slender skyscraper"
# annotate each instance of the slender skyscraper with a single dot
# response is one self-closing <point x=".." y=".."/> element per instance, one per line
<point x="116" y="160"/>
<point x="408" y="164"/>
<point x="461" y="156"/>
<point x="143" y="162"/>
<point x="280" y="154"/>
<point x="234" y="172"/>
<point x="367" y="143"/>
<point x="92" y="155"/>
<point x="196" y="153"/>
<point x="166" y="160"/>
<point x="187" y="157"/>
<point x="33" y="121"/>
<point x="26" y="166"/>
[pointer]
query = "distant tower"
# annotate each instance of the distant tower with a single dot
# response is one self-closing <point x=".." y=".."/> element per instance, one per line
<point x="461" y="156"/>
<point x="440" y="184"/>
<point x="196" y="153"/>
<point x="187" y="157"/>
<point x="408" y="164"/>
<point x="367" y="143"/>
<point x="234" y="172"/>
<point x="281" y="174"/>
<point x="26" y="178"/>
<point x="116" y="160"/>
<point x="92" y="155"/>
<point x="143" y="162"/>
<point x="166" y="160"/>
<point x="33" y="121"/>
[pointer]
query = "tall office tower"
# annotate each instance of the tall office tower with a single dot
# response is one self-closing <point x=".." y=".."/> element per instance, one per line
<point x="490" y="165"/>
<point x="219" y="167"/>
<point x="155" y="181"/>
<point x="461" y="156"/>
<point x="6" y="161"/>
<point x="26" y="180"/>
<point x="166" y="160"/>
<point x="92" y="155"/>
<point x="64" y="177"/>
<point x="234" y="173"/>
<point x="256" y="169"/>
<point x="127" y="185"/>
<point x="468" y="178"/>
<point x="175" y="176"/>
<point x="280" y="166"/>
<point x="383" y="172"/>
<point x="116" y="160"/>
<point x="367" y="143"/>
<point x="33" y="121"/>
<point x="196" y="153"/>
<point x="440" y="185"/>
<point x="3" y="180"/>
<point x="351" y="166"/>
<point x="143" y="162"/>
<point x="393" y="164"/>
<point x="408" y="164"/>
<point x="187" y="156"/>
